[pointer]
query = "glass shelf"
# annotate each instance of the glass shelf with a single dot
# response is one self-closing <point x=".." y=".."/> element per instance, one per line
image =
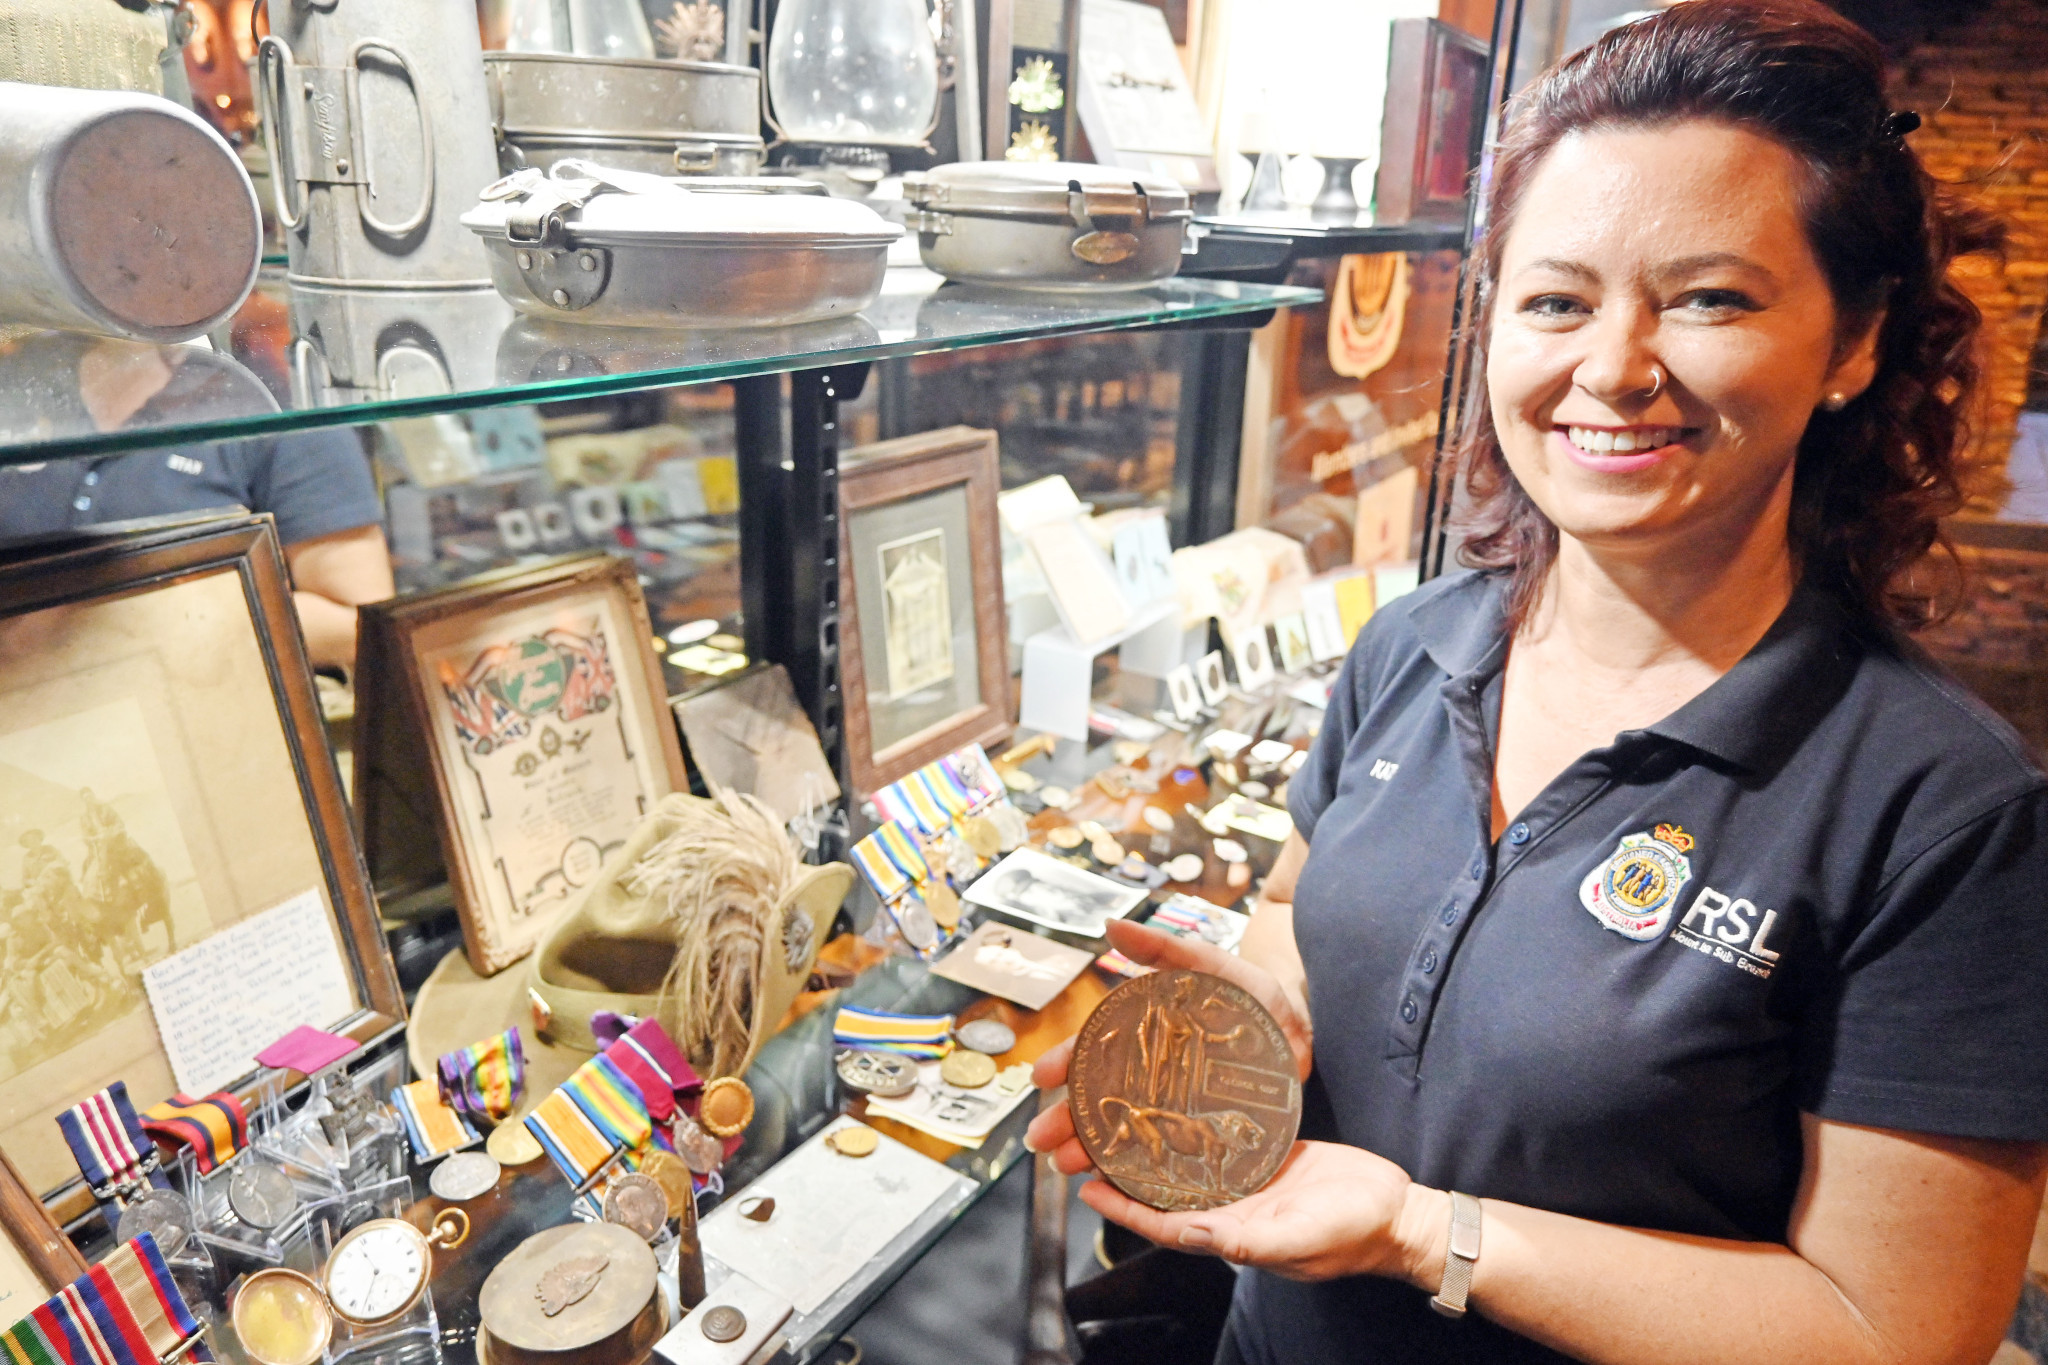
<point x="296" y="358"/>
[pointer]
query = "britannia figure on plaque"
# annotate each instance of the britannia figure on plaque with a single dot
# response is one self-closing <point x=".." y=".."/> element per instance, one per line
<point x="917" y="613"/>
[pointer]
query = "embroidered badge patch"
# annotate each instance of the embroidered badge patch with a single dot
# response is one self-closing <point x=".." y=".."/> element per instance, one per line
<point x="1633" y="892"/>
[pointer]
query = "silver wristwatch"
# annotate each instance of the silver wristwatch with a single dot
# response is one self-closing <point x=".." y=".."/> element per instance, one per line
<point x="1463" y="1251"/>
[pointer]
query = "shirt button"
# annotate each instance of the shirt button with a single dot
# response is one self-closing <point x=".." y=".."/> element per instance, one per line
<point x="92" y="478"/>
<point x="1478" y="867"/>
<point x="1428" y="961"/>
<point x="1518" y="833"/>
<point x="81" y="503"/>
<point x="1408" y="1010"/>
<point x="1450" y="915"/>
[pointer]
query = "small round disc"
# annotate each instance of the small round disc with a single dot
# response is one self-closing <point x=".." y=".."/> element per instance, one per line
<point x="991" y="1036"/>
<point x="982" y="836"/>
<point x="163" y="1214"/>
<point x="943" y="903"/>
<point x="1238" y="876"/>
<point x="1184" y="1091"/>
<point x="1093" y="831"/>
<point x="1186" y="868"/>
<point x="700" y="1151"/>
<point x="1066" y="836"/>
<point x="512" y="1145"/>
<point x="1059" y="798"/>
<point x="967" y="1070"/>
<point x="1230" y="851"/>
<point x="1017" y="780"/>
<point x="887" y="1074"/>
<point x="1257" y="791"/>
<point x="465" y="1175"/>
<point x="724" y="1323"/>
<point x="261" y="1195"/>
<point x="1134" y="867"/>
<point x="637" y="1203"/>
<point x="690" y="632"/>
<point x="914" y="919"/>
<point x="727" y="1107"/>
<point x="281" y="1318"/>
<point x="854" y="1140"/>
<point x="1159" y="819"/>
<point x="672" y="1173"/>
<point x="1107" y="852"/>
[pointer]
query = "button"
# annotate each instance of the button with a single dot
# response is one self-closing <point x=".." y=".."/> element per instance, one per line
<point x="1518" y="833"/>
<point x="1450" y="915"/>
<point x="92" y="478"/>
<point x="1408" y="1010"/>
<point x="81" y="503"/>
<point x="1428" y="961"/>
<point x="1479" y="867"/>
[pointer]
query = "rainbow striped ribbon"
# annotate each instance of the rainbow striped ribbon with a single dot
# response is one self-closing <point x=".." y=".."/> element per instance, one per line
<point x="124" y="1311"/>
<point x="108" y="1141"/>
<point x="486" y="1079"/>
<point x="891" y="861"/>
<point x="613" y="1102"/>
<point x="975" y="774"/>
<point x="214" y="1126"/>
<point x="565" y="1132"/>
<point x="434" y="1128"/>
<point x="924" y="1036"/>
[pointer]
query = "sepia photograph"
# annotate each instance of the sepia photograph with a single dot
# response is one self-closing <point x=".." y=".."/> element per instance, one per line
<point x="1032" y="886"/>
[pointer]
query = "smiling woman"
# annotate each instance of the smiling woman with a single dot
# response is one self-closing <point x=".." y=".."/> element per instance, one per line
<point x="1660" y="943"/>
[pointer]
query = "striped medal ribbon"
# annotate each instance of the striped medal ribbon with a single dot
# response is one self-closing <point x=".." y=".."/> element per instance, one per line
<point x="214" y="1126"/>
<point x="108" y="1141"/>
<point x="434" y="1128"/>
<point x="124" y="1311"/>
<point x="485" y="1079"/>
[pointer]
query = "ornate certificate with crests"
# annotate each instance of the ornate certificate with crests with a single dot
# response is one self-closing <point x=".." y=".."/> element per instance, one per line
<point x="543" y="754"/>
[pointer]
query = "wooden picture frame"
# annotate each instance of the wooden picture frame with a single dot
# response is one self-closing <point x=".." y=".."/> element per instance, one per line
<point x="1435" y="116"/>
<point x="511" y="731"/>
<point x="161" y="735"/>
<point x="36" y="1258"/>
<point x="903" y="505"/>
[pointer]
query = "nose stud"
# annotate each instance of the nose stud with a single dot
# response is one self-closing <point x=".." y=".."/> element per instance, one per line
<point x="1657" y="387"/>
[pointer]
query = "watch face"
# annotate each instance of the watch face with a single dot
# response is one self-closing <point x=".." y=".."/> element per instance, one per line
<point x="377" y="1271"/>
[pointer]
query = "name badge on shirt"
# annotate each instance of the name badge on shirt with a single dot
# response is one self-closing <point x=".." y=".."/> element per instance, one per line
<point x="1634" y="891"/>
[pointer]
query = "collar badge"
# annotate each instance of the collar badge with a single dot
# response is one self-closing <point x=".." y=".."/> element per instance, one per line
<point x="1635" y="890"/>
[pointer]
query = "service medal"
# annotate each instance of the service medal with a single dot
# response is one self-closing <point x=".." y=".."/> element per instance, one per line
<point x="1635" y="890"/>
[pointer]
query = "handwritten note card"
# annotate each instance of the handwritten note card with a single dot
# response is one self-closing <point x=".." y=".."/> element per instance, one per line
<point x="225" y="998"/>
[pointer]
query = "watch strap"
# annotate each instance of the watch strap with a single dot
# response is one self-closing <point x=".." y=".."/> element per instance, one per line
<point x="1459" y="1257"/>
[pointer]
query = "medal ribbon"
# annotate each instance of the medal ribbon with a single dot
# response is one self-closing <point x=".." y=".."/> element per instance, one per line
<point x="962" y="773"/>
<point x="652" y="1062"/>
<point x="946" y="788"/>
<point x="124" y="1311"/>
<point x="214" y="1126"/>
<point x="434" y="1128"/>
<point x="612" y="1102"/>
<point x="108" y="1140"/>
<point x="891" y="860"/>
<point x="486" y="1079"/>
<point x="924" y="1036"/>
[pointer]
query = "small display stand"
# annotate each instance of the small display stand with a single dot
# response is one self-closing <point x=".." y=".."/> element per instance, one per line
<point x="411" y="1338"/>
<point x="1059" y="670"/>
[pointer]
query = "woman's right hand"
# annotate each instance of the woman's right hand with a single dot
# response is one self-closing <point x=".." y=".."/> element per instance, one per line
<point x="1053" y="1130"/>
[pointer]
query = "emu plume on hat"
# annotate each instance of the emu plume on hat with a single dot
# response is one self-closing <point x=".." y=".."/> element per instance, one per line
<point x="705" y="920"/>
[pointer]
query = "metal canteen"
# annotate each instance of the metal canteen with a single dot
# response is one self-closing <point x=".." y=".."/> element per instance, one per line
<point x="379" y="135"/>
<point x="1051" y="226"/>
<point x="374" y="345"/>
<point x="664" y="118"/>
<point x="120" y="213"/>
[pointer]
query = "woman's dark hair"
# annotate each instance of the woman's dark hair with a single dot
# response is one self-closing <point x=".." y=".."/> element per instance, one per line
<point x="1872" y="481"/>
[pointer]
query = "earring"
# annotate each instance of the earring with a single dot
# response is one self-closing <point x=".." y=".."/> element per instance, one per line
<point x="1835" y="402"/>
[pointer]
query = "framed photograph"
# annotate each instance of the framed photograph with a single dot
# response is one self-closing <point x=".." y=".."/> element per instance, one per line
<point x="924" y="649"/>
<point x="1429" y="138"/>
<point x="166" y="791"/>
<point x="751" y="735"/>
<point x="521" y="717"/>
<point x="1029" y="885"/>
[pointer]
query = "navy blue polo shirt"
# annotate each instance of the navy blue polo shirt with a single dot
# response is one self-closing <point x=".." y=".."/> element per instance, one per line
<point x="1818" y="886"/>
<point x="314" y="482"/>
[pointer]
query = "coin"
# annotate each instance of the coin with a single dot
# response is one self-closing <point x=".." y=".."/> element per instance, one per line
<point x="1257" y="791"/>
<point x="1186" y="868"/>
<point x="1133" y="867"/>
<point x="1017" y="780"/>
<point x="464" y="1175"/>
<point x="637" y="1203"/>
<point x="1107" y="851"/>
<point x="672" y="1173"/>
<point x="726" y="1108"/>
<point x="1059" y="798"/>
<point x="1066" y="836"/>
<point x="967" y="1070"/>
<point x="991" y="1036"/>
<point x="261" y="1195"/>
<point x="1184" y="1091"/>
<point x="1092" y="831"/>
<point x="512" y="1145"/>
<point x="887" y="1074"/>
<point x="1230" y="850"/>
<point x="943" y="903"/>
<point x="982" y="835"/>
<point x="724" y="1323"/>
<point x="914" y="919"/>
<point x="161" y="1213"/>
<point x="700" y="1151"/>
<point x="1159" y="819"/>
<point x="854" y="1140"/>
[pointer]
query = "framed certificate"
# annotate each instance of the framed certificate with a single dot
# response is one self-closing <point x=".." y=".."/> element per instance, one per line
<point x="166" y="793"/>
<point x="521" y="717"/>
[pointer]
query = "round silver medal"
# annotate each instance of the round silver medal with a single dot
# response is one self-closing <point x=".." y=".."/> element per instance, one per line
<point x="887" y="1074"/>
<point x="464" y="1176"/>
<point x="920" y="931"/>
<point x="261" y="1195"/>
<point x="992" y="1036"/>
<point x="163" y="1214"/>
<point x="1186" y="868"/>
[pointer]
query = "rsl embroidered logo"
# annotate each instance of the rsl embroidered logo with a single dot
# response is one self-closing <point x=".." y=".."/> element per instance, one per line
<point x="1633" y="892"/>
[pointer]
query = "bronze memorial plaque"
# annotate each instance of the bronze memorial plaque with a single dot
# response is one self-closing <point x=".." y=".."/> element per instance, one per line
<point x="1184" y="1091"/>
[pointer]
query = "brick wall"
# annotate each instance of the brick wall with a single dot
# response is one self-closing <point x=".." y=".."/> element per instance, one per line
<point x="1980" y="83"/>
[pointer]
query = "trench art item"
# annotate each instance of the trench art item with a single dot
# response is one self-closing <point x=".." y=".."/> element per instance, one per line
<point x="464" y="1176"/>
<point x="379" y="1270"/>
<point x="582" y="1293"/>
<point x="758" y="1209"/>
<point x="282" y="1318"/>
<point x="1184" y="1091"/>
<point x="637" y="1203"/>
<point x="856" y="1140"/>
<point x="887" y="1074"/>
<point x="511" y="1145"/>
<point x="261" y="1195"/>
<point x="967" y="1070"/>
<point x="991" y="1036"/>
<point x="726" y="1107"/>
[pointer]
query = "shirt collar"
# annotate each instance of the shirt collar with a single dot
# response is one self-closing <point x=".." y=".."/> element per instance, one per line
<point x="1750" y="716"/>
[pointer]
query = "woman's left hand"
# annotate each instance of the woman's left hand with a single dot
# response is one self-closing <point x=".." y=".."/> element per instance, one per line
<point x="1332" y="1210"/>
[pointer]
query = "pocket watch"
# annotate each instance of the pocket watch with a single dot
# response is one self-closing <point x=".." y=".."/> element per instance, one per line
<point x="379" y="1270"/>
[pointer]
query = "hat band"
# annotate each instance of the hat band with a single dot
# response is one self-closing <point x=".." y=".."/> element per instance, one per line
<point x="561" y="1014"/>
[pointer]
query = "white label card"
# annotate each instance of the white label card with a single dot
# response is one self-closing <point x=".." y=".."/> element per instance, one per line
<point x="229" y="996"/>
